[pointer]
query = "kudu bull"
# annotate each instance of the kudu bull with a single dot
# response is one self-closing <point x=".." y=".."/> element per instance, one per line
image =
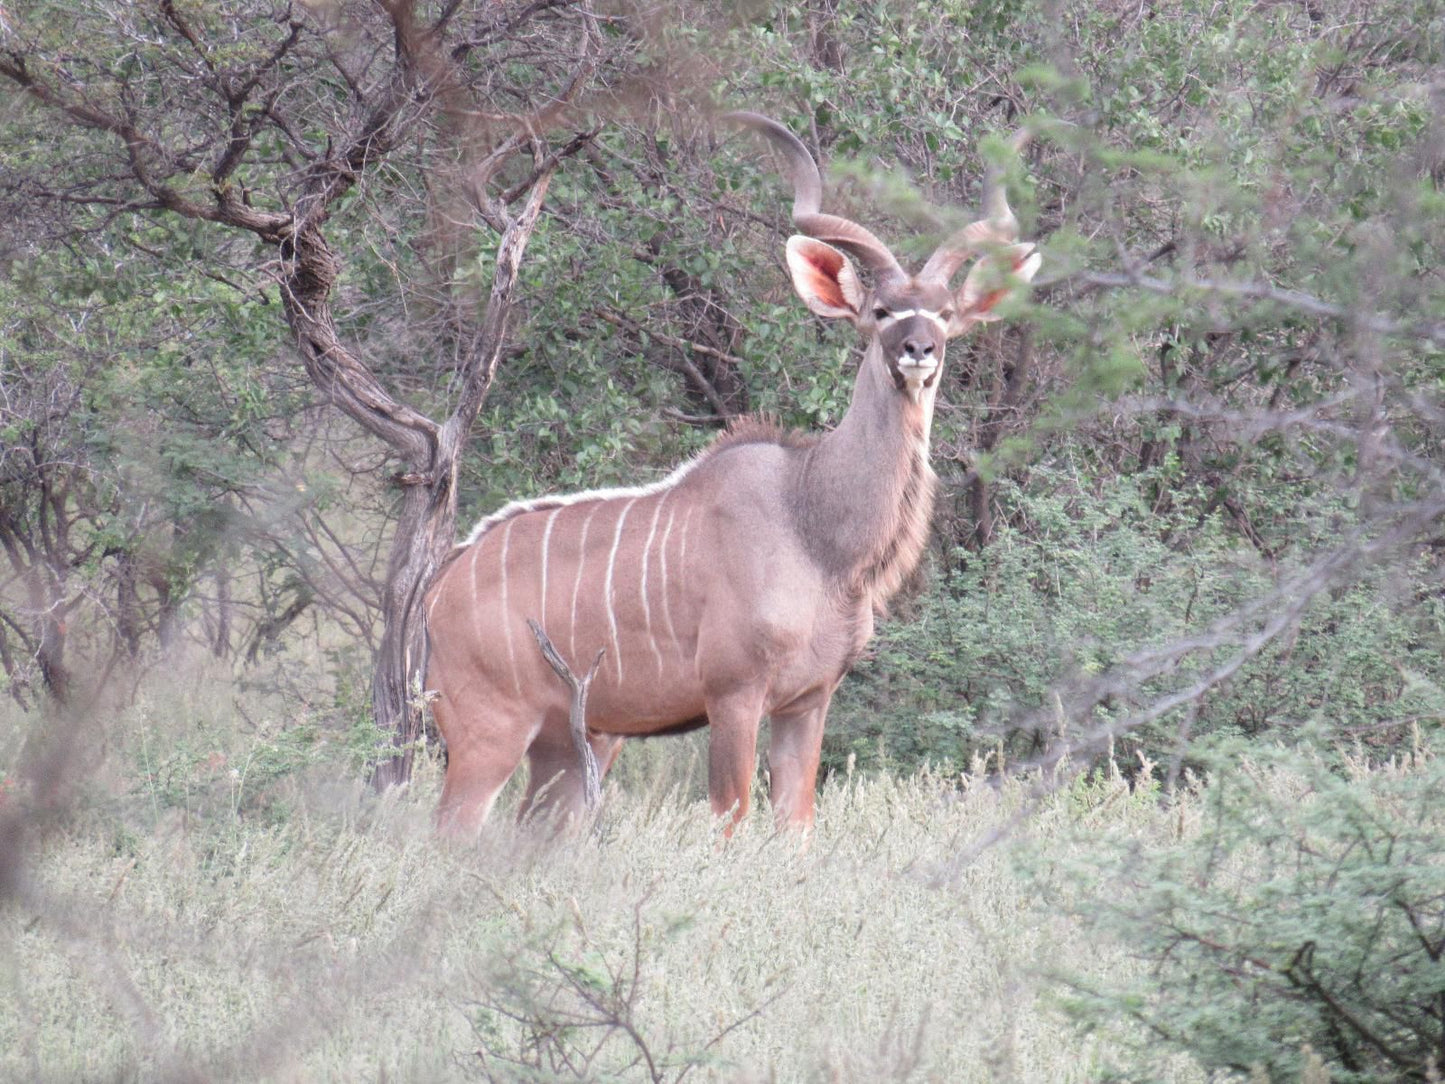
<point x="742" y="585"/>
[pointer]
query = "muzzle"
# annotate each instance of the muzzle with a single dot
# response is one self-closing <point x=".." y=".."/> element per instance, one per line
<point x="915" y="354"/>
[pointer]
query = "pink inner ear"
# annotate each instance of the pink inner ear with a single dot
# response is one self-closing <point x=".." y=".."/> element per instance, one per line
<point x="986" y="302"/>
<point x="822" y="267"/>
<point x="981" y="305"/>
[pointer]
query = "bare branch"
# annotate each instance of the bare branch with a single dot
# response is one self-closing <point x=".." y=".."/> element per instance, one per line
<point x="577" y="716"/>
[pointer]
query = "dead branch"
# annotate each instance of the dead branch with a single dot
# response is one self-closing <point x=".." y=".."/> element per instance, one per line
<point x="577" y="717"/>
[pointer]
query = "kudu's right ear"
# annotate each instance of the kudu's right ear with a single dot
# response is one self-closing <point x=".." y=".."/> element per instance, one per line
<point x="824" y="278"/>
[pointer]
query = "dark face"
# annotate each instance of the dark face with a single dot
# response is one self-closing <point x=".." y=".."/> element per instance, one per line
<point x="911" y="320"/>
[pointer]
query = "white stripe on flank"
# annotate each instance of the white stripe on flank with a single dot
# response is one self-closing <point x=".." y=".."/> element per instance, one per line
<point x="577" y="584"/>
<point x="607" y="585"/>
<point x="682" y="551"/>
<point x="682" y="555"/>
<point x="476" y="609"/>
<point x="506" y="613"/>
<point x="546" y="541"/>
<point x="642" y="587"/>
<point x="437" y="597"/>
<point x="666" y="586"/>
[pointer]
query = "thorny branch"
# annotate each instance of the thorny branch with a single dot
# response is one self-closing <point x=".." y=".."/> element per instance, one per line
<point x="556" y="1005"/>
<point x="695" y="376"/>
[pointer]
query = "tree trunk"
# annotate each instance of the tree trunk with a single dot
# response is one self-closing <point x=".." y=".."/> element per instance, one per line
<point x="52" y="659"/>
<point x="47" y="601"/>
<point x="221" y="638"/>
<point x="128" y="621"/>
<point x="425" y="531"/>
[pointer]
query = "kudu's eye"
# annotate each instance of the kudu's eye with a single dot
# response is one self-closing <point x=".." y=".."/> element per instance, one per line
<point x="880" y="313"/>
<point x="946" y="315"/>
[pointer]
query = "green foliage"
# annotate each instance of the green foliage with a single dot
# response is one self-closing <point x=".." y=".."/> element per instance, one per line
<point x="1301" y="912"/>
<point x="1087" y="575"/>
<point x="143" y="436"/>
<point x="223" y="751"/>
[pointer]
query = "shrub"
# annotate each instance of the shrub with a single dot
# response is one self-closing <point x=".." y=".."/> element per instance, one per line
<point x="1301" y="915"/>
<point x="1086" y="574"/>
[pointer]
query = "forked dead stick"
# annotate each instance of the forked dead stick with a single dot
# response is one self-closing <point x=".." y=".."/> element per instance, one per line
<point x="577" y="718"/>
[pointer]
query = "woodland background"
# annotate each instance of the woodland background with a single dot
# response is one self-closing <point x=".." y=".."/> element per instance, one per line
<point x="291" y="290"/>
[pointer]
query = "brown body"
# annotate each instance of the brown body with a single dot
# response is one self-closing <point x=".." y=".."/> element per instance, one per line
<point x="741" y="586"/>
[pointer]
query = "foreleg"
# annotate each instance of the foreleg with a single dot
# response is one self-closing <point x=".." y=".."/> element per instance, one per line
<point x="793" y="754"/>
<point x="732" y="751"/>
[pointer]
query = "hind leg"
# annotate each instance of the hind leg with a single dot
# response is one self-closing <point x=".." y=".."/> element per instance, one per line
<point x="482" y="753"/>
<point x="558" y="785"/>
<point x="605" y="748"/>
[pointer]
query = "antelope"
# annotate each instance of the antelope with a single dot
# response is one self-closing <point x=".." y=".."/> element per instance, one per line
<point x="743" y="584"/>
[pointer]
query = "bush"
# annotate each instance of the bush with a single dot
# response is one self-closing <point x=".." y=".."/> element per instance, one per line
<point x="1301" y="916"/>
<point x="1085" y="575"/>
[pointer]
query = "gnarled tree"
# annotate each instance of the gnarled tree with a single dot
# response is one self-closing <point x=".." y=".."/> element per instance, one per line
<point x="265" y="119"/>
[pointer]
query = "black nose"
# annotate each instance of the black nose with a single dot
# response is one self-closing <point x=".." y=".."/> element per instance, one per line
<point x="918" y="348"/>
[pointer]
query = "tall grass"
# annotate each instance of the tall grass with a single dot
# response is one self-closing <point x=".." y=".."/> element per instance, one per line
<point x="197" y="912"/>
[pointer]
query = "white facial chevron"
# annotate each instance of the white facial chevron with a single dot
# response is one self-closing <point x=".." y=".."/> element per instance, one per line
<point x="927" y="314"/>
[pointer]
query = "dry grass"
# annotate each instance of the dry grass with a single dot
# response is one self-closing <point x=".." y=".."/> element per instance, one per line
<point x="190" y="930"/>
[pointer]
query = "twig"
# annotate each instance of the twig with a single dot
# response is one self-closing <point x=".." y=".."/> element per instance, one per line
<point x="1295" y="299"/>
<point x="683" y="347"/>
<point x="612" y="316"/>
<point x="698" y="419"/>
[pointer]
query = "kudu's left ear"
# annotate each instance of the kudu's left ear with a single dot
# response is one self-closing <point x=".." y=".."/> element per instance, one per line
<point x="990" y="280"/>
<point x="824" y="278"/>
